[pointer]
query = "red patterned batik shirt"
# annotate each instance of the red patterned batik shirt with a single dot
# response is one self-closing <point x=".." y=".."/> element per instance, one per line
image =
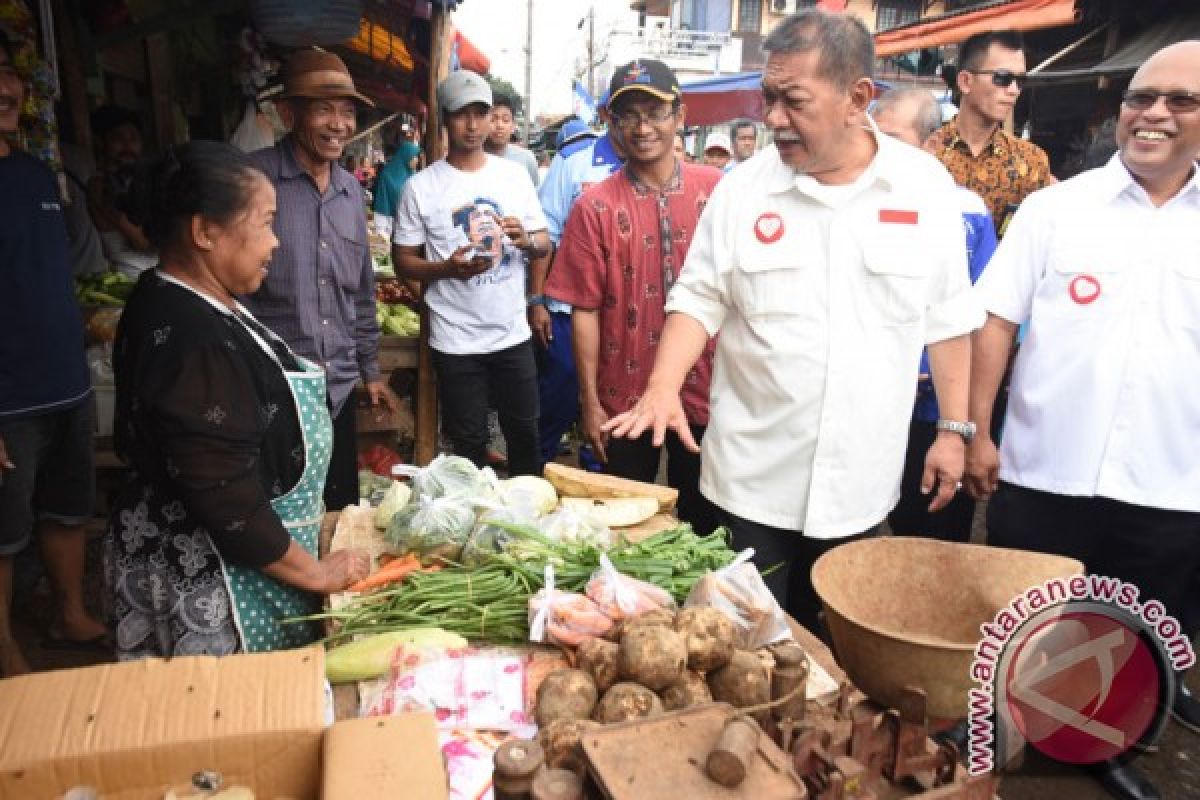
<point x="621" y="251"/>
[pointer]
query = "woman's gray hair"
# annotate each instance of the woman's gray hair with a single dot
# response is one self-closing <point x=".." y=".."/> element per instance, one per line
<point x="847" y="51"/>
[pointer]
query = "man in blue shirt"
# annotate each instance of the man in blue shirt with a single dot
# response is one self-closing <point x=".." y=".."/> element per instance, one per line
<point x="911" y="115"/>
<point x="46" y="412"/>
<point x="558" y="383"/>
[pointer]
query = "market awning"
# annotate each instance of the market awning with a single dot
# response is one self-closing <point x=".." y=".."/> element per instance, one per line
<point x="1133" y="53"/>
<point x="716" y="100"/>
<point x="954" y="27"/>
<point x="469" y="56"/>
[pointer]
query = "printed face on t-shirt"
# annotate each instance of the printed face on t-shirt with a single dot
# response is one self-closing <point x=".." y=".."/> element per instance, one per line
<point x="480" y="221"/>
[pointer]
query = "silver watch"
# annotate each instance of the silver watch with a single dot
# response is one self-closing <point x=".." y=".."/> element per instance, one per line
<point x="964" y="429"/>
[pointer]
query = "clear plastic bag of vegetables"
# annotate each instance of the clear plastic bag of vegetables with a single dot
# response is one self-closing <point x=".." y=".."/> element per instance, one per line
<point x="564" y="618"/>
<point x="739" y="591"/>
<point x="621" y="597"/>
<point x="495" y="529"/>
<point x="435" y="529"/>
<point x="565" y="525"/>
<point x="446" y="476"/>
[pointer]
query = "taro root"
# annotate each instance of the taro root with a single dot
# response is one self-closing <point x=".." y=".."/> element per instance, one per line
<point x="561" y="743"/>
<point x="659" y="616"/>
<point x="743" y="682"/>
<point x="565" y="694"/>
<point x="709" y="636"/>
<point x="653" y="656"/>
<point x="598" y="658"/>
<point x="691" y="690"/>
<point x="627" y="701"/>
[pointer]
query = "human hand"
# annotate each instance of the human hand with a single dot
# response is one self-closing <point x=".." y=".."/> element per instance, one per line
<point x="592" y="419"/>
<point x="382" y="398"/>
<point x="514" y="230"/>
<point x="658" y="410"/>
<point x="943" y="464"/>
<point x="463" y="266"/>
<point x="343" y="568"/>
<point x="540" y="324"/>
<point x="982" y="466"/>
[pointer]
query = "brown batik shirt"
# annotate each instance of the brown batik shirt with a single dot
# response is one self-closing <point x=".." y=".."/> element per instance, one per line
<point x="1007" y="171"/>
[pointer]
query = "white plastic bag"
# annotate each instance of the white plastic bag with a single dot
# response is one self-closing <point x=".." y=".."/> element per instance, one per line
<point x="435" y="529"/>
<point x="739" y="592"/>
<point x="621" y="597"/>
<point x="445" y="476"/>
<point x="564" y="618"/>
<point x="251" y="134"/>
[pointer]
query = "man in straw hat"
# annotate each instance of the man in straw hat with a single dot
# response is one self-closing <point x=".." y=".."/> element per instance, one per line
<point x="319" y="294"/>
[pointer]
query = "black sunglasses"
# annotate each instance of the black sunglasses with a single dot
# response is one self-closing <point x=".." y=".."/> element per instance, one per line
<point x="1002" y="78"/>
<point x="1178" y="102"/>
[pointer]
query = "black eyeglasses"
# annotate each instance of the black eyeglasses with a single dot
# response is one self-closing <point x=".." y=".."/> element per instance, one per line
<point x="630" y="119"/>
<point x="1178" y="102"/>
<point x="1002" y="78"/>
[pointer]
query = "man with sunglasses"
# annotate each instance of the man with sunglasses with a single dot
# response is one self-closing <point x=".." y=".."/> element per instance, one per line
<point x="625" y="241"/>
<point x="1001" y="168"/>
<point x="1098" y="460"/>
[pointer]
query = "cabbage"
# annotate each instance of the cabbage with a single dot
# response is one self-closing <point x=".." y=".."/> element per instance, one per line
<point x="435" y="529"/>
<point x="566" y="525"/>
<point x="396" y="498"/>
<point x="529" y="491"/>
<point x="448" y="476"/>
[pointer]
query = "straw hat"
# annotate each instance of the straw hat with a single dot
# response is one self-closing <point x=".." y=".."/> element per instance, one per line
<point x="318" y="75"/>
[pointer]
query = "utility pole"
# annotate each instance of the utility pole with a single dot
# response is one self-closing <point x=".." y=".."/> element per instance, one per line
<point x="528" y="69"/>
<point x="591" y="50"/>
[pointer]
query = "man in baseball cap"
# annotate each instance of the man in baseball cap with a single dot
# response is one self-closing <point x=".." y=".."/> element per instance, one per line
<point x="461" y="89"/>
<point x="718" y="150"/>
<point x="319" y="293"/>
<point x="644" y="75"/>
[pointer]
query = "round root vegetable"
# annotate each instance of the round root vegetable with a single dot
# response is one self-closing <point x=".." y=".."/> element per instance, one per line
<point x="565" y="694"/>
<point x="729" y="761"/>
<point x="627" y="701"/>
<point x="691" y="690"/>
<point x="561" y="743"/>
<point x="598" y="658"/>
<point x="742" y="682"/>
<point x="515" y="764"/>
<point x="557" y="784"/>
<point x="653" y="656"/>
<point x="709" y="635"/>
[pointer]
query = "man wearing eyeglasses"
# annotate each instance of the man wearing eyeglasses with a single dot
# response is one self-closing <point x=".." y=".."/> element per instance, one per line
<point x="1001" y="168"/>
<point x="1099" y="458"/>
<point x="625" y="241"/>
<point x="825" y="262"/>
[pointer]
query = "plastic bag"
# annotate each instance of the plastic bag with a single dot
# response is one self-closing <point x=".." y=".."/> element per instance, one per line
<point x="564" y="618"/>
<point x="489" y="539"/>
<point x="620" y="596"/>
<point x="436" y="529"/>
<point x="566" y="525"/>
<point x="446" y="476"/>
<point x="738" y="590"/>
<point x="252" y="133"/>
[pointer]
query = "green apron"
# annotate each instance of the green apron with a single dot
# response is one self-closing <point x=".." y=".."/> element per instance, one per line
<point x="259" y="601"/>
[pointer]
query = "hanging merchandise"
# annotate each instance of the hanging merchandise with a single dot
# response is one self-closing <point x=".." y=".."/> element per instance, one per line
<point x="38" y="128"/>
<point x="302" y="23"/>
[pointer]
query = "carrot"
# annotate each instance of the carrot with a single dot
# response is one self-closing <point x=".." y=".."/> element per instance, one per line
<point x="394" y="571"/>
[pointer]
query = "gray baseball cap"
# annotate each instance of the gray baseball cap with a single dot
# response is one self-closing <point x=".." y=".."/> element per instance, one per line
<point x="461" y="89"/>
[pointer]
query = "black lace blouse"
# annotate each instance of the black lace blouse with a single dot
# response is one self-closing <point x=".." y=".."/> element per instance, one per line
<point x="204" y="416"/>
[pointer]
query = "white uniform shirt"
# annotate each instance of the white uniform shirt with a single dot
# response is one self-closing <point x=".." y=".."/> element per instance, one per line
<point x="444" y="208"/>
<point x="823" y="297"/>
<point x="1105" y="393"/>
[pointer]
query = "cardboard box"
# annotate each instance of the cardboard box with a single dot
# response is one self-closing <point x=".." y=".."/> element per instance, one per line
<point x="384" y="758"/>
<point x="133" y="731"/>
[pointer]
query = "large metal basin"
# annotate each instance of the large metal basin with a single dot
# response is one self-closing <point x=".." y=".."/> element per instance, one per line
<point x="905" y="612"/>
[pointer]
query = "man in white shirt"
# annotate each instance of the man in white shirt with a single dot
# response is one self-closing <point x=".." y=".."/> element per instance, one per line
<point x="825" y="263"/>
<point x="1098" y="460"/>
<point x="463" y="228"/>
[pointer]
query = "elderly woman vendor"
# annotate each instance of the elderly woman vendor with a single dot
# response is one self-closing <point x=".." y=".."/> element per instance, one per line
<point x="213" y="543"/>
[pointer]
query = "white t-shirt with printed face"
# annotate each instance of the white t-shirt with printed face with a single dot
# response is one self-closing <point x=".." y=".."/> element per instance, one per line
<point x="444" y="208"/>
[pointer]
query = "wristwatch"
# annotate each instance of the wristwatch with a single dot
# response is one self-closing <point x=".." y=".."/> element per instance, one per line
<point x="535" y="300"/>
<point x="964" y="429"/>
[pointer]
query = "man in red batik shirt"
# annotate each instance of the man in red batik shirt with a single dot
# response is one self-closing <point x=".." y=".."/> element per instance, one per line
<point x="625" y="241"/>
